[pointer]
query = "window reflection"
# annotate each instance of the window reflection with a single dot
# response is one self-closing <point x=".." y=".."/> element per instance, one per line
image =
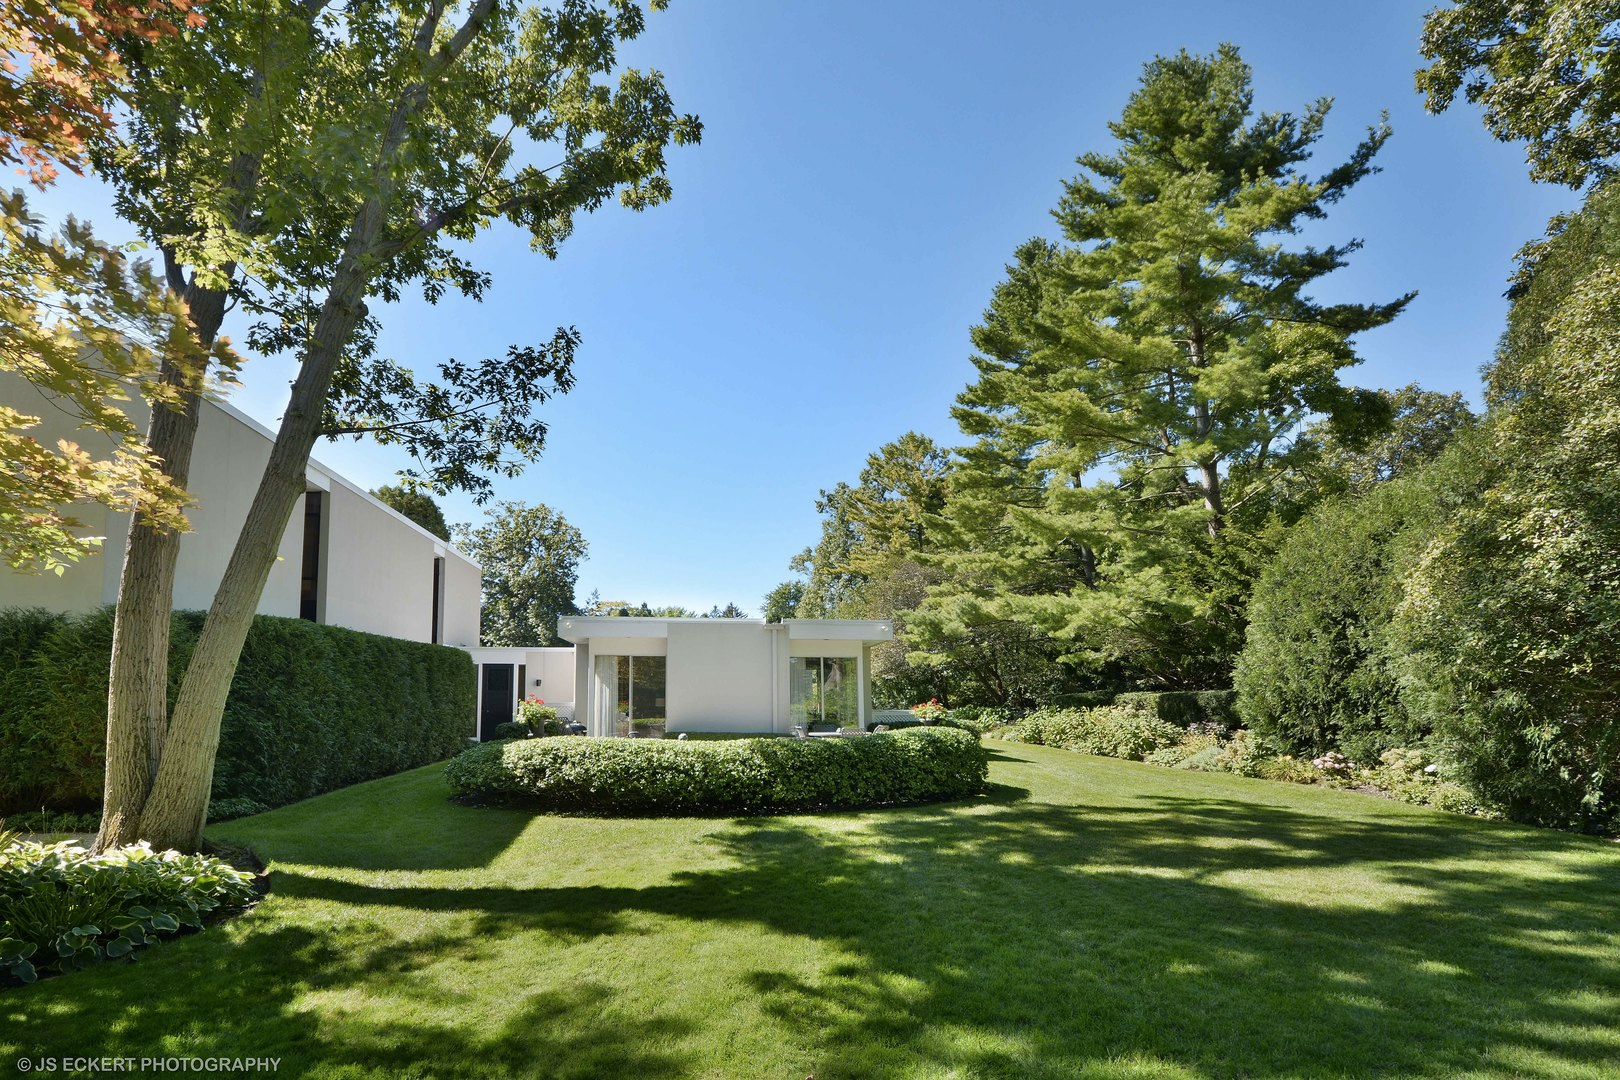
<point x="823" y="691"/>
<point x="639" y="685"/>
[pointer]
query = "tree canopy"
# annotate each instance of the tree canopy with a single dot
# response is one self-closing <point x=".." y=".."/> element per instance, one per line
<point x="1542" y="70"/>
<point x="530" y="556"/>
<point x="307" y="161"/>
<point x="1141" y="383"/>
<point x="82" y="323"/>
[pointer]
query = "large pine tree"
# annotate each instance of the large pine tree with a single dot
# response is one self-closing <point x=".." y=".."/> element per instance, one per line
<point x="1139" y="384"/>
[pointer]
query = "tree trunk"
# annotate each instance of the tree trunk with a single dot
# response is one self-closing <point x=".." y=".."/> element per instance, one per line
<point x="138" y="677"/>
<point x="1209" y="473"/>
<point x="173" y="814"/>
<point x="176" y="811"/>
<point x="1209" y="478"/>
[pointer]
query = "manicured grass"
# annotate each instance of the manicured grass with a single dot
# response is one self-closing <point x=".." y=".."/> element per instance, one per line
<point x="1091" y="918"/>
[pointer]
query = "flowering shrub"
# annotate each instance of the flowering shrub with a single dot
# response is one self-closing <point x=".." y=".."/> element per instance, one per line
<point x="538" y="717"/>
<point x="930" y="711"/>
<point x="63" y="908"/>
<point x="1334" y="763"/>
<point x="1109" y="731"/>
<point x="1242" y="754"/>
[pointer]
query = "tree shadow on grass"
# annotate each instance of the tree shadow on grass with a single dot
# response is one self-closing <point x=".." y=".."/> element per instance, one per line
<point x="1214" y="937"/>
<point x="402" y="822"/>
<point x="259" y="1008"/>
<point x="1184" y="937"/>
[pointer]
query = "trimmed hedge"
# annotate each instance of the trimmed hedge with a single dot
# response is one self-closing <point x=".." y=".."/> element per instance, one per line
<point x="1084" y="699"/>
<point x="658" y="776"/>
<point x="312" y="708"/>
<point x="952" y="721"/>
<point x="1184" y="708"/>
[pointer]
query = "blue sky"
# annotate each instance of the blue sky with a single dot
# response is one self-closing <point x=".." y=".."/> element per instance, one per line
<point x="866" y="171"/>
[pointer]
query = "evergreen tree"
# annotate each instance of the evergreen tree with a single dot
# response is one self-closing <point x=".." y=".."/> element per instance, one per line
<point x="865" y="528"/>
<point x="1141" y="383"/>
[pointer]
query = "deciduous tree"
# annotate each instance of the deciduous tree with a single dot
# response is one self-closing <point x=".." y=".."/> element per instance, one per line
<point x="308" y="161"/>
<point x="1510" y="623"/>
<point x="1544" y="71"/>
<point x="78" y="320"/>
<point x="530" y="556"/>
<point x="417" y="505"/>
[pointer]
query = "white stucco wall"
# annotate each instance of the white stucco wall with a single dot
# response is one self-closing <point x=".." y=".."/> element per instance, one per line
<point x="377" y="568"/>
<point x="462" y="603"/>
<point x="555" y="670"/>
<point x="378" y="573"/>
<point x="80" y="588"/>
<point x="719" y="677"/>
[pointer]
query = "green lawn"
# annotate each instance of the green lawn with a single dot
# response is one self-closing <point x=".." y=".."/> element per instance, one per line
<point x="1092" y="918"/>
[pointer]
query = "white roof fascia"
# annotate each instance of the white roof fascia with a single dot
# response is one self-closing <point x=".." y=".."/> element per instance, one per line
<point x="868" y="630"/>
<point x="322" y="478"/>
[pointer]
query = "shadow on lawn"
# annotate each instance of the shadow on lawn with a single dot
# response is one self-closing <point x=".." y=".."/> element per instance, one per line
<point x="252" y="1014"/>
<point x="1019" y="939"/>
<point x="1063" y="938"/>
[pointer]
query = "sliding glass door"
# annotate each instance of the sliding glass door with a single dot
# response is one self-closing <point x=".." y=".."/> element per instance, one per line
<point x="824" y="691"/>
<point x="631" y="693"/>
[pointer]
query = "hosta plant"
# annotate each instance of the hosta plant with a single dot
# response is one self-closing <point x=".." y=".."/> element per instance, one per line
<point x="63" y="908"/>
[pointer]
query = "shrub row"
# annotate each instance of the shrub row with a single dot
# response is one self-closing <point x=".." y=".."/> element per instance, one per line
<point x="1405" y="774"/>
<point x="960" y="723"/>
<point x="1109" y="731"/>
<point x="1185" y="708"/>
<point x="312" y="708"/>
<point x="63" y="908"/>
<point x="745" y="775"/>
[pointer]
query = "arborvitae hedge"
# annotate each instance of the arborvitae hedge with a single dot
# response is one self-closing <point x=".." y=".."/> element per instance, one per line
<point x="312" y="707"/>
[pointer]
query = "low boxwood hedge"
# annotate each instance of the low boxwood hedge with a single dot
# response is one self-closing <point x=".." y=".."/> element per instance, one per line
<point x="654" y="776"/>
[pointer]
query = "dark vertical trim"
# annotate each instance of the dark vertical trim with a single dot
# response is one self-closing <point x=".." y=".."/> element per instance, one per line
<point x="309" y="585"/>
<point x="438" y="602"/>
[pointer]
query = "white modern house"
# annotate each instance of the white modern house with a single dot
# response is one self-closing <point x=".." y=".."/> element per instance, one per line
<point x="721" y="675"/>
<point x="629" y="676"/>
<point x="348" y="560"/>
<point x="345" y="559"/>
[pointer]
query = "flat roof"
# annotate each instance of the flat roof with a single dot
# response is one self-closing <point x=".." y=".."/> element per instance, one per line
<point x="580" y="628"/>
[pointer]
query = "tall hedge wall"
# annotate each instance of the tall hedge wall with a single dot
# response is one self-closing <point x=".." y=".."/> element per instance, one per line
<point x="312" y="707"/>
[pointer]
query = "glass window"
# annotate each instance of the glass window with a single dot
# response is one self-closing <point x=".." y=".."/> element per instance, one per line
<point x="824" y="691"/>
<point x="637" y="688"/>
<point x="840" y="700"/>
<point x="647" y="688"/>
